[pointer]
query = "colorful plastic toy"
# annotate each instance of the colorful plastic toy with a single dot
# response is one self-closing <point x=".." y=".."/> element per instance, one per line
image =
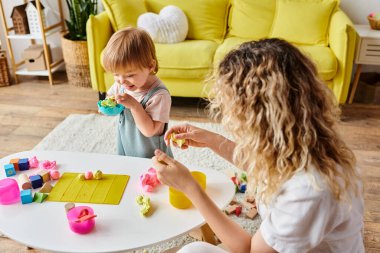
<point x="23" y="164"/>
<point x="33" y="162"/>
<point x="9" y="170"/>
<point x="110" y="107"/>
<point x="54" y="174"/>
<point x="14" y="161"/>
<point x="24" y="182"/>
<point x="26" y="196"/>
<point x="45" y="175"/>
<point x="9" y="192"/>
<point x="36" y="181"/>
<point x="48" y="165"/>
<point x="81" y="219"/>
<point x="179" y="142"/>
<point x="39" y="197"/>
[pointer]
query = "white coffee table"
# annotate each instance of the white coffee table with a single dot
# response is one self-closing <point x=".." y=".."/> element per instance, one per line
<point x="118" y="227"/>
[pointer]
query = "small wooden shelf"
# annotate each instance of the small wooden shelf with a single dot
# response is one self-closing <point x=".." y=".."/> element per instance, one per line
<point x="24" y="72"/>
<point x="33" y="36"/>
<point x="17" y="68"/>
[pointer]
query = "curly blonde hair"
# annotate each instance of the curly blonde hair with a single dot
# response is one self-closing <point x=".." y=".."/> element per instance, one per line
<point x="282" y="116"/>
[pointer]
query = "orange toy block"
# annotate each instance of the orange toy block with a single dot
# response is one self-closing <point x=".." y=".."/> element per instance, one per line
<point x="45" y="175"/>
<point x="14" y="161"/>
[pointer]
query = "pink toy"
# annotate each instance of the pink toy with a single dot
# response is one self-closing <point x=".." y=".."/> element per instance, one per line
<point x="149" y="180"/>
<point x="81" y="219"/>
<point x="48" y="165"/>
<point x="88" y="175"/>
<point x="54" y="174"/>
<point x="9" y="192"/>
<point x="33" y="162"/>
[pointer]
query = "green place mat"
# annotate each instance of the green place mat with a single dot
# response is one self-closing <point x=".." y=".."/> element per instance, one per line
<point x="107" y="190"/>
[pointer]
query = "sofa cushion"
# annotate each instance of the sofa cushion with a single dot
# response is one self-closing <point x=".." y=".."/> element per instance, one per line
<point x="123" y="13"/>
<point x="187" y="59"/>
<point x="322" y="56"/>
<point x="303" y="21"/>
<point x="207" y="18"/>
<point x="251" y="18"/>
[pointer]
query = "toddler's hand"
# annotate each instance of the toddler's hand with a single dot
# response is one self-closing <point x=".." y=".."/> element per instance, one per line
<point x="126" y="100"/>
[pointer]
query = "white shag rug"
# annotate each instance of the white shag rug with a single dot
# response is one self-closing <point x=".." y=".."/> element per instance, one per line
<point x="96" y="133"/>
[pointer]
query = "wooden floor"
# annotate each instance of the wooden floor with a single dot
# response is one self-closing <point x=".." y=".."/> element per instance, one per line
<point x="30" y="110"/>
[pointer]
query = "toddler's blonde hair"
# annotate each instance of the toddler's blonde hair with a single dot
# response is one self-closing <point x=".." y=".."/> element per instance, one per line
<point x="283" y="118"/>
<point x="129" y="48"/>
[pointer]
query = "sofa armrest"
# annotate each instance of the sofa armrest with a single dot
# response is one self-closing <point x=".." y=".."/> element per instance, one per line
<point x="99" y="31"/>
<point x="342" y="38"/>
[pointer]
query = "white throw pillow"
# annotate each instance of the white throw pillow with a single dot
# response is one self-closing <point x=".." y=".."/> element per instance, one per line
<point x="169" y="26"/>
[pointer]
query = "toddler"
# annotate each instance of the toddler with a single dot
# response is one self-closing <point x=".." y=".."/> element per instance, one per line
<point x="130" y="55"/>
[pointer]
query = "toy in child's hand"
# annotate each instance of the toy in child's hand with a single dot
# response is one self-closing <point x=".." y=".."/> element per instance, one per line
<point x="109" y="106"/>
<point x="179" y="142"/>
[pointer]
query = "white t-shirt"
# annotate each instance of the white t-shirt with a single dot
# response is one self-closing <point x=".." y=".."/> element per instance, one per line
<point x="307" y="218"/>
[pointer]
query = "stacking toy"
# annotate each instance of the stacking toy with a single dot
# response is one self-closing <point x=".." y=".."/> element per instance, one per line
<point x="9" y="191"/>
<point x="81" y="219"/>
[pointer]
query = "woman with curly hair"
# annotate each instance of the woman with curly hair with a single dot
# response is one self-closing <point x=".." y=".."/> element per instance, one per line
<point x="308" y="191"/>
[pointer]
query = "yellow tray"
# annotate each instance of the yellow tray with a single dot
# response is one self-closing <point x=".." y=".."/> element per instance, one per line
<point x="107" y="190"/>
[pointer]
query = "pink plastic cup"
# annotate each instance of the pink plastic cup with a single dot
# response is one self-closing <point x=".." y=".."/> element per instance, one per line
<point x="9" y="191"/>
<point x="82" y="227"/>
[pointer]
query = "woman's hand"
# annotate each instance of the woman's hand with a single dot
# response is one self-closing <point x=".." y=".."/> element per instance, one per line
<point x="193" y="136"/>
<point x="173" y="173"/>
<point x="126" y="100"/>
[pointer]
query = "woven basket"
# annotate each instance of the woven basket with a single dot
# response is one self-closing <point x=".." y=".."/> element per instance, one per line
<point x="374" y="23"/>
<point x="5" y="78"/>
<point x="75" y="54"/>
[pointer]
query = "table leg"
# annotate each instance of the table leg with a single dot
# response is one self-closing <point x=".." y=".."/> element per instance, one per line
<point x="355" y="84"/>
<point x="208" y="234"/>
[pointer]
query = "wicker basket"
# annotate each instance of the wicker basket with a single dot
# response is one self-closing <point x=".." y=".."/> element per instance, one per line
<point x="5" y="78"/>
<point x="374" y="23"/>
<point x="75" y="54"/>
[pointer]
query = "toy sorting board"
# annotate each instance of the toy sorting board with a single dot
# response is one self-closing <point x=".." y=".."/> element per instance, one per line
<point x="107" y="190"/>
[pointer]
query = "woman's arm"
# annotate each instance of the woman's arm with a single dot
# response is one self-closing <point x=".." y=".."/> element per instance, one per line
<point x="175" y="174"/>
<point x="198" y="137"/>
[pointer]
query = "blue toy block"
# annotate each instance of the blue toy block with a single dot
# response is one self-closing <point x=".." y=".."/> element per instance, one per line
<point x="36" y="181"/>
<point x="26" y="196"/>
<point x="9" y="170"/>
<point x="243" y="188"/>
<point x="23" y="164"/>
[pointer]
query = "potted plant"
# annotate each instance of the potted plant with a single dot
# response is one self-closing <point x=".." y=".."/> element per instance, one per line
<point x="74" y="43"/>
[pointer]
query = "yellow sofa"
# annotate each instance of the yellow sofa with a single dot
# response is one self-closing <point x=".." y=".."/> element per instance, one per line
<point x="318" y="27"/>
